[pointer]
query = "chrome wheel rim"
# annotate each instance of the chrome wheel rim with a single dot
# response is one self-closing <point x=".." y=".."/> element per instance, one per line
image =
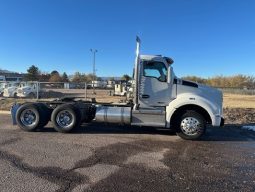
<point x="65" y="119"/>
<point x="191" y="126"/>
<point x="28" y="117"/>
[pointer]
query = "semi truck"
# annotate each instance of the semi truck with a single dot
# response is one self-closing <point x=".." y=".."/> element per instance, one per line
<point x="28" y="90"/>
<point x="160" y="99"/>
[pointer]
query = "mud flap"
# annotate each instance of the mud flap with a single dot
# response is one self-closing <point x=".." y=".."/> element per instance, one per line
<point x="222" y="123"/>
<point x="14" y="110"/>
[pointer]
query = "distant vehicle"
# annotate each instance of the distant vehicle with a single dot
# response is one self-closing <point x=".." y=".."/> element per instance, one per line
<point x="120" y="90"/>
<point x="99" y="84"/>
<point x="27" y="90"/>
<point x="10" y="89"/>
<point x="2" y="85"/>
<point x="110" y="84"/>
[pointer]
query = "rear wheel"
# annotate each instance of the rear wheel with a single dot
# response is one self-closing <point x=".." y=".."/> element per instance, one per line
<point x="66" y="118"/>
<point x="28" y="117"/>
<point x="190" y="125"/>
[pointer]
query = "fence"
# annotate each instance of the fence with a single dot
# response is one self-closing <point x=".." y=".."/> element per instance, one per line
<point x="50" y="90"/>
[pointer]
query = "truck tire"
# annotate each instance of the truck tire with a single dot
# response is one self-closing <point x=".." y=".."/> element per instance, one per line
<point x="190" y="125"/>
<point x="66" y="118"/>
<point x="28" y="117"/>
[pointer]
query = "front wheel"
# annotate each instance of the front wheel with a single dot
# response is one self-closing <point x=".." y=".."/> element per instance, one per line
<point x="190" y="126"/>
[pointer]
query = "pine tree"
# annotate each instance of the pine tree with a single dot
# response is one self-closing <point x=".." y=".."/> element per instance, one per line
<point x="65" y="77"/>
<point x="32" y="74"/>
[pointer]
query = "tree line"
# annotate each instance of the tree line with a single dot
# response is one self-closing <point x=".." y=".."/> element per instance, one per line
<point x="34" y="74"/>
<point x="234" y="81"/>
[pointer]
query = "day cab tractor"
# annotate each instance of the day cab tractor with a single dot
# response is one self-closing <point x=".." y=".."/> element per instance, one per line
<point x="160" y="99"/>
<point x="28" y="90"/>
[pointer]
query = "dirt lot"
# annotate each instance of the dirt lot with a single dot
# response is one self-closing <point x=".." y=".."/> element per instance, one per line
<point x="238" y="109"/>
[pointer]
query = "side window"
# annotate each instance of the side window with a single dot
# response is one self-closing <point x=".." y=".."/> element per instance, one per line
<point x="156" y="70"/>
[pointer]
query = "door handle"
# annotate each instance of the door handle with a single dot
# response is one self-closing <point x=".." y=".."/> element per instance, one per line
<point x="145" y="96"/>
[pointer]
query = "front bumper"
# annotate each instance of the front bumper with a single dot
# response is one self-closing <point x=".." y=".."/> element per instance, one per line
<point x="217" y="121"/>
<point x="21" y="95"/>
<point x="7" y="94"/>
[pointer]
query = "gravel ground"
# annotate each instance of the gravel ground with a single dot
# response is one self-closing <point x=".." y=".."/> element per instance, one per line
<point x="239" y="115"/>
<point x="115" y="158"/>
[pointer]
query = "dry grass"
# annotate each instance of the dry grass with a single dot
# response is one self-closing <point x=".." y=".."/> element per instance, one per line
<point x="238" y="101"/>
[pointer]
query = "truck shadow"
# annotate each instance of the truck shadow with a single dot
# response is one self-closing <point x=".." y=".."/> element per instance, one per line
<point x="101" y="128"/>
<point x="230" y="132"/>
<point x="227" y="133"/>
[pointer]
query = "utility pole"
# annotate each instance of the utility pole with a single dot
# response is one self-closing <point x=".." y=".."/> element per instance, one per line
<point x="93" y="51"/>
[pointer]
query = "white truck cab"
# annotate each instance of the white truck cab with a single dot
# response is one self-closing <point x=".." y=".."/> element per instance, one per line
<point x="27" y="90"/>
<point x="160" y="89"/>
<point x="10" y="89"/>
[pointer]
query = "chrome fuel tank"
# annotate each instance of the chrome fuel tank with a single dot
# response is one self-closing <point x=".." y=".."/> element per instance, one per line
<point x="110" y="114"/>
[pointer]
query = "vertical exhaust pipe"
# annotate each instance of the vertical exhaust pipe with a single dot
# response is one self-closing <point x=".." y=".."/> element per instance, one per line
<point x="136" y="75"/>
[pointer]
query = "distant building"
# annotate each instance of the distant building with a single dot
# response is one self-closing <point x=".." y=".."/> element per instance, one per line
<point x="2" y="78"/>
<point x="5" y="76"/>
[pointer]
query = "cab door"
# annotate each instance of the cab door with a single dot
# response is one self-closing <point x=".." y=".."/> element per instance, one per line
<point x="154" y="89"/>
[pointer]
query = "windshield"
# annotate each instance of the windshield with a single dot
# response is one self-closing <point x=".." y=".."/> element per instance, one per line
<point x="22" y="85"/>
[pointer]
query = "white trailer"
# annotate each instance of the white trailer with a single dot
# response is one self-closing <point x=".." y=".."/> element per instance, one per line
<point x="160" y="99"/>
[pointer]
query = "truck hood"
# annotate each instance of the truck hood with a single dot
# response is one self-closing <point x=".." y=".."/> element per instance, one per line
<point x="24" y="88"/>
<point x="211" y="94"/>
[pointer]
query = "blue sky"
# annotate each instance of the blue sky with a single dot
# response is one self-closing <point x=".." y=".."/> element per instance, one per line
<point x="204" y="37"/>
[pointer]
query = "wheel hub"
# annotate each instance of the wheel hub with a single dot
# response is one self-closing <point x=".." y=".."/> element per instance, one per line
<point x="190" y="125"/>
<point x="28" y="117"/>
<point x="64" y="119"/>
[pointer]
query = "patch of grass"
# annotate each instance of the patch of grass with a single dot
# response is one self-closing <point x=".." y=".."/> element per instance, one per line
<point x="238" y="101"/>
